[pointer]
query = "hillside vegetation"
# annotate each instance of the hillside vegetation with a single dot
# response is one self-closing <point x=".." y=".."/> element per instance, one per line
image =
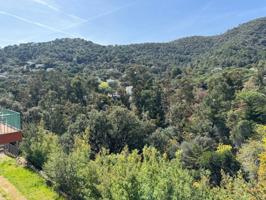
<point x="241" y="46"/>
<point x="179" y="120"/>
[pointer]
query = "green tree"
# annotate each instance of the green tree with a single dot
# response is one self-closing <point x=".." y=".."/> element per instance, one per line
<point x="248" y="156"/>
<point x="127" y="130"/>
<point x="220" y="160"/>
<point x="72" y="172"/>
<point x="241" y="131"/>
<point x="78" y="89"/>
<point x="37" y="144"/>
<point x="100" y="129"/>
<point x="166" y="140"/>
<point x="192" y="151"/>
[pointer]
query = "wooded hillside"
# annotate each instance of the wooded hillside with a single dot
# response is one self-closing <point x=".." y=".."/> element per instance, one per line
<point x="179" y="120"/>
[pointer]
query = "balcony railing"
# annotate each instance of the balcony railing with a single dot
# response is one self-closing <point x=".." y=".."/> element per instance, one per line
<point x="9" y="121"/>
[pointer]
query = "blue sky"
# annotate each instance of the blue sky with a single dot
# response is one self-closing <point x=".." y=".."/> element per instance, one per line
<point x="121" y="21"/>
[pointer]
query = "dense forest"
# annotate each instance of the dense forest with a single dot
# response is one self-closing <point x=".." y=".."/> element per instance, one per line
<point x="179" y="120"/>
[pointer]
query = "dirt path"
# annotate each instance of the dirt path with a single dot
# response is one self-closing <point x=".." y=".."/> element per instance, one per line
<point x="2" y="155"/>
<point x="10" y="190"/>
<point x="2" y="198"/>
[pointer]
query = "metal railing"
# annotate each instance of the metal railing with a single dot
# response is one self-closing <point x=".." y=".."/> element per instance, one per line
<point x="11" y="150"/>
<point x="9" y="121"/>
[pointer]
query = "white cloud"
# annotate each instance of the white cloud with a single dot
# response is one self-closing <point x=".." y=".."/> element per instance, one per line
<point x="47" y="4"/>
<point x="100" y="15"/>
<point x="54" y="7"/>
<point x="41" y="25"/>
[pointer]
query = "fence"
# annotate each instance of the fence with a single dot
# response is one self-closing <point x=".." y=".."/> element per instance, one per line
<point x="11" y="150"/>
<point x="9" y="121"/>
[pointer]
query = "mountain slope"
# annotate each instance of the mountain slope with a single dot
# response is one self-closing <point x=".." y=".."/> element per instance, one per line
<point x="240" y="47"/>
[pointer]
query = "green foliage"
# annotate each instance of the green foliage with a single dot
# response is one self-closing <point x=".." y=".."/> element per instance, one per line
<point x="123" y="176"/>
<point x="233" y="189"/>
<point x="175" y="72"/>
<point x="248" y="155"/>
<point x="188" y="96"/>
<point x="78" y="89"/>
<point x="166" y="140"/>
<point x="241" y="131"/>
<point x="104" y="86"/>
<point x="71" y="172"/>
<point x="239" y="47"/>
<point x="193" y="150"/>
<point x="54" y="119"/>
<point x="253" y="103"/>
<point x="117" y="129"/>
<point x="220" y="160"/>
<point x="37" y="145"/>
